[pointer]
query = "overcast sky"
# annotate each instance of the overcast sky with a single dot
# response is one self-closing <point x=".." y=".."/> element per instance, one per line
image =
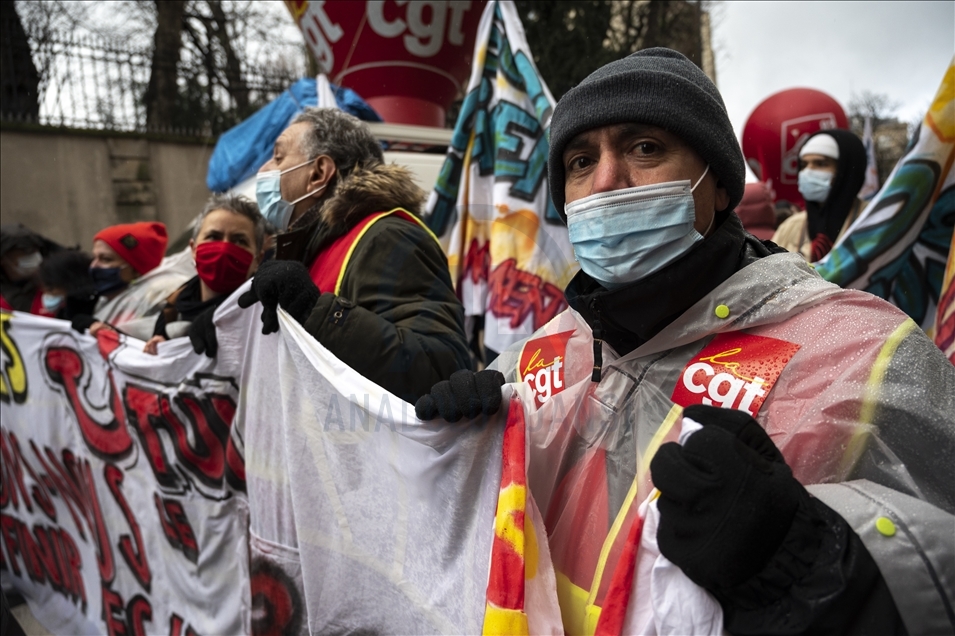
<point x="897" y="48"/>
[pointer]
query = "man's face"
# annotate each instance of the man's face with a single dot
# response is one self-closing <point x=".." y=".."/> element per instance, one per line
<point x="105" y="256"/>
<point x="821" y="163"/>
<point x="629" y="155"/>
<point x="296" y="183"/>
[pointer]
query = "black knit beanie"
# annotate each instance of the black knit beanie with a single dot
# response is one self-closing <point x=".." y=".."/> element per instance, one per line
<point x="659" y="87"/>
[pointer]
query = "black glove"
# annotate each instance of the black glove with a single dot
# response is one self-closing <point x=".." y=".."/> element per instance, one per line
<point x="202" y="333"/>
<point x="281" y="283"/>
<point x="727" y="498"/>
<point x="82" y="322"/>
<point x="465" y="394"/>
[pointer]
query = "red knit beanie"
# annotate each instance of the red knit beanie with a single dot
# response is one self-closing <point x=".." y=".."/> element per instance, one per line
<point x="142" y="245"/>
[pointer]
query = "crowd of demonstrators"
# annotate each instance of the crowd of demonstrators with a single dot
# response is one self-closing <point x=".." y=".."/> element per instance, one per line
<point x="227" y="246"/>
<point x="21" y="253"/>
<point x="648" y="175"/>
<point x="832" y="171"/>
<point x="647" y="172"/>
<point x="354" y="264"/>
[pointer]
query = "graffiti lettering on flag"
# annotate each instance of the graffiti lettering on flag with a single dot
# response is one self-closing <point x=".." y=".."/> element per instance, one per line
<point x="70" y="480"/>
<point x="276" y="602"/>
<point x="13" y="379"/>
<point x="496" y="166"/>
<point x="945" y="320"/>
<point x="48" y="553"/>
<point x="521" y="151"/>
<point x="898" y="247"/>
<point x="516" y="294"/>
<point x="477" y="261"/>
<point x="98" y="464"/>
<point x="175" y="626"/>
<point x="109" y="440"/>
<point x="176" y="527"/>
<point x="906" y="280"/>
<point x="514" y="550"/>
<point x="207" y="422"/>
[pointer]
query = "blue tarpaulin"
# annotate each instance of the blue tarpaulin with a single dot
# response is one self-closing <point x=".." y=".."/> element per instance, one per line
<point x="244" y="148"/>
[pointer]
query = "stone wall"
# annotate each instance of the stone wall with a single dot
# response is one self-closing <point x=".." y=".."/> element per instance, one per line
<point x="68" y="185"/>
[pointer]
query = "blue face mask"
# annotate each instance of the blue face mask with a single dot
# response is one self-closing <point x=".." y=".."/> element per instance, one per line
<point x="51" y="302"/>
<point x="107" y="279"/>
<point x="623" y="236"/>
<point x="268" y="194"/>
<point x="814" y="185"/>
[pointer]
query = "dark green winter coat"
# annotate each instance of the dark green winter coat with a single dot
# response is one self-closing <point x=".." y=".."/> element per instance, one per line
<point x="396" y="319"/>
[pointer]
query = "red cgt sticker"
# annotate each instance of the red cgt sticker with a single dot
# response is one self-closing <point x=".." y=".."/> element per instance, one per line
<point x="542" y="365"/>
<point x="735" y="371"/>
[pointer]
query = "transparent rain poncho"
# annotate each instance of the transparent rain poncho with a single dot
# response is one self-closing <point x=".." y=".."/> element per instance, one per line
<point x="135" y="309"/>
<point x="866" y="396"/>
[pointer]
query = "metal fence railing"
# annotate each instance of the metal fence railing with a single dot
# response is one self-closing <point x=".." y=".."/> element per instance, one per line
<point x="86" y="82"/>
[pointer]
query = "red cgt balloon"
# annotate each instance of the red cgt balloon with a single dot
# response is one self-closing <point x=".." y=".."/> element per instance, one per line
<point x="776" y="130"/>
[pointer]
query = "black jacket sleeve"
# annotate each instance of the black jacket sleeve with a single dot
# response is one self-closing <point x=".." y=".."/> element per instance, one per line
<point x="396" y="319"/>
<point x="822" y="580"/>
<point x="160" y="328"/>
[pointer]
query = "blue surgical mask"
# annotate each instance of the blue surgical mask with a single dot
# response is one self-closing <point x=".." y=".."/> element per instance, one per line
<point x="814" y="185"/>
<point x="268" y="194"/>
<point x="107" y="279"/>
<point x="623" y="236"/>
<point x="51" y="302"/>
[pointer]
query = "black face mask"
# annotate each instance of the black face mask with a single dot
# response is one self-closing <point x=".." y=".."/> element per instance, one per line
<point x="107" y="279"/>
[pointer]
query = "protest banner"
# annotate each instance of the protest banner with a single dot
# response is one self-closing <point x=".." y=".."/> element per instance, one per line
<point x="362" y="518"/>
<point x="124" y="505"/>
<point x="121" y="503"/>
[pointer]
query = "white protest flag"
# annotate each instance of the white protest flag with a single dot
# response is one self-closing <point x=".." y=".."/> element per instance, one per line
<point x="326" y="96"/>
<point x="121" y="503"/>
<point x="363" y="519"/>
<point x="507" y="247"/>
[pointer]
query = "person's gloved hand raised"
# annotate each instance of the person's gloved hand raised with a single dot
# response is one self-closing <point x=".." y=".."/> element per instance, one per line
<point x="465" y="394"/>
<point x="202" y="333"/>
<point x="727" y="498"/>
<point x="284" y="284"/>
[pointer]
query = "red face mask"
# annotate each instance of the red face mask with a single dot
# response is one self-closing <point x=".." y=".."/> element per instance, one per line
<point x="222" y="266"/>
